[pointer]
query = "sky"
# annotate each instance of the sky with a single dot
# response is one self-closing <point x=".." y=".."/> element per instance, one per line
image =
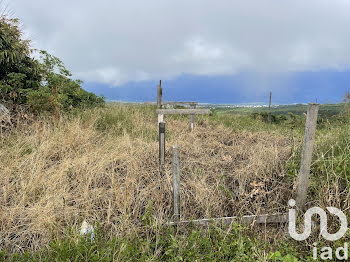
<point x="208" y="51"/>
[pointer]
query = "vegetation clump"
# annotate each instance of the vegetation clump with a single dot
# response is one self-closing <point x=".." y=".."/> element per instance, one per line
<point x="44" y="84"/>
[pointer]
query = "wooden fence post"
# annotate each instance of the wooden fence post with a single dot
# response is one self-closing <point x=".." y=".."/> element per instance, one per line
<point x="161" y="143"/>
<point x="187" y="111"/>
<point x="176" y="185"/>
<point x="192" y="118"/>
<point x="160" y="118"/>
<point x="269" y="115"/>
<point x="159" y="101"/>
<point x="309" y="139"/>
<point x="159" y="95"/>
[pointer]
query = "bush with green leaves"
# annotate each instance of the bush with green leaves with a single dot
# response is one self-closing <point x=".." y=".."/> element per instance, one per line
<point x="44" y="84"/>
<point x="19" y="72"/>
<point x="58" y="90"/>
<point x="264" y="116"/>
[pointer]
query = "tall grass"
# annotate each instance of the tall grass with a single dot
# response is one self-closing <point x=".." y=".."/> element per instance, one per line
<point x="102" y="165"/>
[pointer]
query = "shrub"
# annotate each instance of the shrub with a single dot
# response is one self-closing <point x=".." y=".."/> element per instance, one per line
<point x="18" y="71"/>
<point x="44" y="84"/>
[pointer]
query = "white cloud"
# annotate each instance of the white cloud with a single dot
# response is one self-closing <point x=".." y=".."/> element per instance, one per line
<point x="119" y="41"/>
<point x="201" y="57"/>
<point x="112" y="76"/>
<point x="196" y="49"/>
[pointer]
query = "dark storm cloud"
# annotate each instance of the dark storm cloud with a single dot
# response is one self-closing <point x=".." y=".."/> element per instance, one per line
<point x="115" y="42"/>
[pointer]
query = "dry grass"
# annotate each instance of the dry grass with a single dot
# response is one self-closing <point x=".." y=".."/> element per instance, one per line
<point x="55" y="174"/>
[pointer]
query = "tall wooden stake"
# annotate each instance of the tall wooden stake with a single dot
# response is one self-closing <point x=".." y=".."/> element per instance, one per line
<point x="159" y="95"/>
<point x="161" y="143"/>
<point x="192" y="118"/>
<point x="176" y="185"/>
<point x="269" y="115"/>
<point x="309" y="140"/>
<point x="159" y="101"/>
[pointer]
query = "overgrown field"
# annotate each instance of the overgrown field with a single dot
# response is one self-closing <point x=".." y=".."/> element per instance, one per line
<point x="102" y="165"/>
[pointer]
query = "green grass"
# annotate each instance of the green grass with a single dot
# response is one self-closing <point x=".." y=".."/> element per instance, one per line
<point x="117" y="120"/>
<point x="213" y="244"/>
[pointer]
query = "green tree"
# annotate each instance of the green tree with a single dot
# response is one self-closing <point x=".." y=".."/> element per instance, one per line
<point x="58" y="91"/>
<point x="18" y="71"/>
<point x="44" y="84"/>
